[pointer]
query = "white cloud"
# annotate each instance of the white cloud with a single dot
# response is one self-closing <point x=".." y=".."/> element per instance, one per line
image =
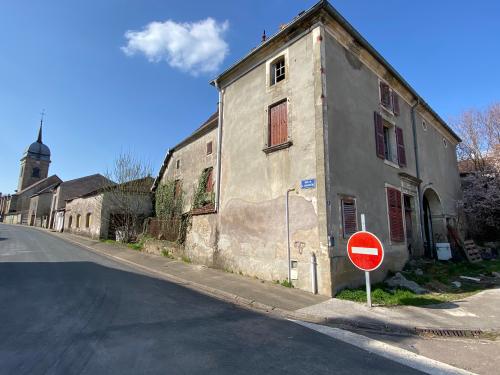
<point x="194" y="47"/>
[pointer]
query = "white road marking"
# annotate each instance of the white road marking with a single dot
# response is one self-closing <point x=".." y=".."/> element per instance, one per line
<point x="365" y="250"/>
<point x="405" y="357"/>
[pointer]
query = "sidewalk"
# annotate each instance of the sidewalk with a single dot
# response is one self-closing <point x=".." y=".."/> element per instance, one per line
<point x="478" y="312"/>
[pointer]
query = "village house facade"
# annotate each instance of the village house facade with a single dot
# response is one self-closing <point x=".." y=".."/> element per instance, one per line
<point x="315" y="114"/>
<point x="99" y="214"/>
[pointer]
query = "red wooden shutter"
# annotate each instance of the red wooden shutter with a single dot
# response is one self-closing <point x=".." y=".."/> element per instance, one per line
<point x="401" y="147"/>
<point x="395" y="215"/>
<point x="395" y="103"/>
<point x="210" y="183"/>
<point x="278" y="124"/>
<point x="379" y="135"/>
<point x="385" y="94"/>
<point x="349" y="217"/>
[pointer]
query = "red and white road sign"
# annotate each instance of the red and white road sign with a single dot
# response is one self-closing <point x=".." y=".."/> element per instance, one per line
<point x="365" y="251"/>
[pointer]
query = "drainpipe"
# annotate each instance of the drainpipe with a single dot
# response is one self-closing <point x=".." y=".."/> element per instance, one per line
<point x="287" y="219"/>
<point x="219" y="147"/>
<point x="417" y="167"/>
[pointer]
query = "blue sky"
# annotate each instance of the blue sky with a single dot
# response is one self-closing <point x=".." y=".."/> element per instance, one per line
<point x="105" y="91"/>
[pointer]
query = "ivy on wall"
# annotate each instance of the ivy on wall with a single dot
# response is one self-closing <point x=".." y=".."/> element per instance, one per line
<point x="201" y="196"/>
<point x="167" y="204"/>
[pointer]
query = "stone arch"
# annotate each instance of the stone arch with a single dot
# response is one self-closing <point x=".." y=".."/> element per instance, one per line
<point x="434" y="221"/>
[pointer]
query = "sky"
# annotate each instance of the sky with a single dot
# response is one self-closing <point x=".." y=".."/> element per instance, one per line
<point x="133" y="75"/>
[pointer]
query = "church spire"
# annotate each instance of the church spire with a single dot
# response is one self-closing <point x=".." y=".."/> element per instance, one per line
<point x="39" y="140"/>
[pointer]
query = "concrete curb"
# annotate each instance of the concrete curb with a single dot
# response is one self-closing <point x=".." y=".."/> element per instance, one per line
<point x="340" y="322"/>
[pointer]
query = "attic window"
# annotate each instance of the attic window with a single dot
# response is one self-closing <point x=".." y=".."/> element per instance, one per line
<point x="178" y="164"/>
<point x="209" y="148"/>
<point x="277" y="70"/>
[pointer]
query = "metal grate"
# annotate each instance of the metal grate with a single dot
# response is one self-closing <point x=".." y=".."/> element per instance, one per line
<point x="448" y="332"/>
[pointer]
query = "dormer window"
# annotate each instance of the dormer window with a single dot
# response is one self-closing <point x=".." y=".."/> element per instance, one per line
<point x="277" y="72"/>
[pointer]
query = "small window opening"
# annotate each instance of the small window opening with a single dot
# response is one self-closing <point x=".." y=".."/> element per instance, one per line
<point x="88" y="220"/>
<point x="278" y="70"/>
<point x="178" y="164"/>
<point x="78" y="221"/>
<point x="36" y="172"/>
<point x="209" y="148"/>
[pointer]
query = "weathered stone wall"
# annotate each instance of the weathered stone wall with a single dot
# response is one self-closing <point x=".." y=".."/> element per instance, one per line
<point x="82" y="206"/>
<point x="352" y="97"/>
<point x="251" y="221"/>
<point x="193" y="160"/>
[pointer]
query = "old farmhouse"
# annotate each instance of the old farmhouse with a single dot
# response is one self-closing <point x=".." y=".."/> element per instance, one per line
<point x="316" y="119"/>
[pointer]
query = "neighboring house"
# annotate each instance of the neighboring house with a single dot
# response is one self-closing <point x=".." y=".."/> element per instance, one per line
<point x="97" y="213"/>
<point x="39" y="210"/>
<point x="185" y="162"/>
<point x="20" y="202"/>
<point x="317" y="109"/>
<point x="70" y="189"/>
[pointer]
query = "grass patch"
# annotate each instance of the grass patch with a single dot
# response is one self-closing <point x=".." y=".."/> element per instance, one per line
<point x="385" y="297"/>
<point x="437" y="277"/>
<point x="136" y="246"/>
<point x="167" y="254"/>
<point x="285" y="283"/>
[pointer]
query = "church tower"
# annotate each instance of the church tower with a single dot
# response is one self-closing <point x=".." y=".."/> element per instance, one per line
<point x="34" y="163"/>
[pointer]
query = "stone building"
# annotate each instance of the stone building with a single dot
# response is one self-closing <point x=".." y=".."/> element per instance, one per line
<point x="317" y="115"/>
<point x="97" y="214"/>
<point x="70" y="189"/>
<point x="33" y="178"/>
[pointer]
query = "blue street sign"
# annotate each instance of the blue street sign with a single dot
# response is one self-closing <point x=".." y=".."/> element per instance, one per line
<point x="308" y="184"/>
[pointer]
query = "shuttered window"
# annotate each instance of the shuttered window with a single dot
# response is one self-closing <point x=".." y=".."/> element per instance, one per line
<point x="385" y="95"/>
<point x="349" y="221"/>
<point x="395" y="103"/>
<point x="379" y="135"/>
<point x="401" y="147"/>
<point x="210" y="181"/>
<point x="395" y="215"/>
<point x="278" y="124"/>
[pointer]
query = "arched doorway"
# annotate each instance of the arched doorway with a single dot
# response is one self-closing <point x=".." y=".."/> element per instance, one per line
<point x="434" y="226"/>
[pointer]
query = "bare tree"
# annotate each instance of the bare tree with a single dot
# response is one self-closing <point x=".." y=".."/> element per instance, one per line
<point x="479" y="161"/>
<point x="124" y="202"/>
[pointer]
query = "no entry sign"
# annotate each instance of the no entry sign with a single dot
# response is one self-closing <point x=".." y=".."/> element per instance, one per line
<point x="365" y="251"/>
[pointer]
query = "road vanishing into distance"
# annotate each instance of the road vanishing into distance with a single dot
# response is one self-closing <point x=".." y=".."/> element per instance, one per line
<point x="66" y="310"/>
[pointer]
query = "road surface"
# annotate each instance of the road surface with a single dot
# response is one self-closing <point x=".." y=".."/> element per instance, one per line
<point x="66" y="310"/>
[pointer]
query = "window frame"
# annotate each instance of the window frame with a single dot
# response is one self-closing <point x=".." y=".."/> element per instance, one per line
<point x="273" y="69"/>
<point x="88" y="220"/>
<point x="209" y="148"/>
<point x="350" y="200"/>
<point x="269" y="143"/>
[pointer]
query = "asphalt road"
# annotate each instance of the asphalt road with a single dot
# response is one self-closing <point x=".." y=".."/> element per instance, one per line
<point x="66" y="310"/>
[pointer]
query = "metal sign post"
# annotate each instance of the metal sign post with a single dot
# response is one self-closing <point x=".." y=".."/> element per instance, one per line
<point x="366" y="252"/>
<point x="367" y="273"/>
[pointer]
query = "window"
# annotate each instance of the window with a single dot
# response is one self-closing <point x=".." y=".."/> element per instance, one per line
<point x="209" y="148"/>
<point x="177" y="188"/>
<point x="210" y="181"/>
<point x="349" y="218"/>
<point x="424" y="125"/>
<point x="395" y="213"/>
<point x="88" y="220"/>
<point x="177" y="163"/>
<point x="278" y="124"/>
<point x="389" y="98"/>
<point x="445" y="143"/>
<point x="389" y="141"/>
<point x="36" y="172"/>
<point x="277" y="72"/>
<point x="78" y="221"/>
<point x="70" y="221"/>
